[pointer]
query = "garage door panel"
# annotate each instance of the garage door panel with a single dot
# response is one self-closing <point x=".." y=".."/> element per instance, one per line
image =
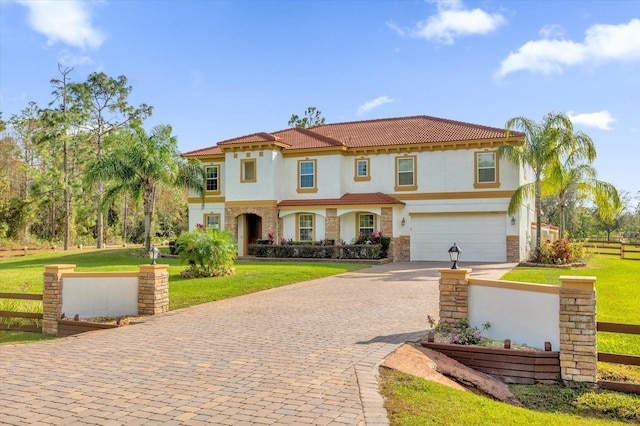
<point x="480" y="237"/>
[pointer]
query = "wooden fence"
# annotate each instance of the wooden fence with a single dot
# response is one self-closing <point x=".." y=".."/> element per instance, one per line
<point x="626" y="251"/>
<point x="17" y="314"/>
<point x="619" y="358"/>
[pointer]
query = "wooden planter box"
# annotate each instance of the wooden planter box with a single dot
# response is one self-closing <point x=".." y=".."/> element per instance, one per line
<point x="510" y="365"/>
<point x="71" y="327"/>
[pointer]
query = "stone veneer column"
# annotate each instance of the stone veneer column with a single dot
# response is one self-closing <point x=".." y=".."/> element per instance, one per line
<point x="401" y="248"/>
<point x="454" y="294"/>
<point x="153" y="289"/>
<point x="332" y="225"/>
<point x="386" y="221"/>
<point x="578" y="336"/>
<point x="513" y="248"/>
<point x="52" y="296"/>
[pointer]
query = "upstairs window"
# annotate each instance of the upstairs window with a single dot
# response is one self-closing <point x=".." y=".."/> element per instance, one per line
<point x="307" y="176"/>
<point x="406" y="174"/>
<point x="212" y="177"/>
<point x="248" y="170"/>
<point x="362" y="169"/>
<point x="305" y="227"/>
<point x="486" y="170"/>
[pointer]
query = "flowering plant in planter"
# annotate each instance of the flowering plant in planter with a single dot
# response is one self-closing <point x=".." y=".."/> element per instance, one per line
<point x="460" y="333"/>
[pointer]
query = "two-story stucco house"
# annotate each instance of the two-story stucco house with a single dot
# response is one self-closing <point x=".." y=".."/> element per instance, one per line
<point x="425" y="182"/>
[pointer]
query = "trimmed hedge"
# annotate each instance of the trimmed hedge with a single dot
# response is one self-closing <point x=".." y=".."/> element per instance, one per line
<point x="287" y="251"/>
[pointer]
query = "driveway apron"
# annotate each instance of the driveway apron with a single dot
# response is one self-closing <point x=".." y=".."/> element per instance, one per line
<point x="301" y="354"/>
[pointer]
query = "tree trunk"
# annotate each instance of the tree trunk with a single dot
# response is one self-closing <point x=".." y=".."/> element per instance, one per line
<point x="561" y="206"/>
<point x="124" y="220"/>
<point x="538" y="218"/>
<point x="148" y="203"/>
<point x="99" y="217"/>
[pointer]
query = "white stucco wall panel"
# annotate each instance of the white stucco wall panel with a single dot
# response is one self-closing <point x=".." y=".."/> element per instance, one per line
<point x="198" y="210"/>
<point x="525" y="317"/>
<point x="262" y="188"/>
<point x="328" y="178"/>
<point x="99" y="296"/>
<point x="289" y="223"/>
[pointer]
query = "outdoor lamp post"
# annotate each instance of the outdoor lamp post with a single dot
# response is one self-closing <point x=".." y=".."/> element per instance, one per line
<point x="454" y="254"/>
<point x="154" y="252"/>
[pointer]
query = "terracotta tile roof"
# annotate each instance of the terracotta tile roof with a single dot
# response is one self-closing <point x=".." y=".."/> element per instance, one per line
<point x="212" y="150"/>
<point x="347" y="199"/>
<point x="255" y="137"/>
<point x="419" y="129"/>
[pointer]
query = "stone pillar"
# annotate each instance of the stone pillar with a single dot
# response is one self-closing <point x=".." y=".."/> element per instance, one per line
<point x="578" y="337"/>
<point x="153" y="289"/>
<point x="401" y="248"/>
<point x="454" y="295"/>
<point x="332" y="225"/>
<point x="386" y="221"/>
<point x="52" y="296"/>
<point x="513" y="248"/>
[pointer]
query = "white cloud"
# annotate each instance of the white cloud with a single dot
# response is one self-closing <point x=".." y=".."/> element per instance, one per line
<point x="602" y="43"/>
<point x="66" y="21"/>
<point x="368" y="106"/>
<point x="453" y="20"/>
<point x="71" y="60"/>
<point x="550" y="31"/>
<point x="600" y="119"/>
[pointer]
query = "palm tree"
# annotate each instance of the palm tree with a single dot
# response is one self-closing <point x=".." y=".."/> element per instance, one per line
<point x="563" y="178"/>
<point x="544" y="144"/>
<point x="142" y="164"/>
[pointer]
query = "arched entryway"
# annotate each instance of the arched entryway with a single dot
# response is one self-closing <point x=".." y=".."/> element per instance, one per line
<point x="249" y="231"/>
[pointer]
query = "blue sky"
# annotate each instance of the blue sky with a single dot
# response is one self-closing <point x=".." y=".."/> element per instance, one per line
<point x="219" y="69"/>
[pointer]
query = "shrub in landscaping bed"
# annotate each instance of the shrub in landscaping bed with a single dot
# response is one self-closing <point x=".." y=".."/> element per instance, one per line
<point x="309" y="251"/>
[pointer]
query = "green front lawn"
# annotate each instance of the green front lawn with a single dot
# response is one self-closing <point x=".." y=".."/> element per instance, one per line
<point x="411" y="400"/>
<point x="617" y="294"/>
<point x="24" y="275"/>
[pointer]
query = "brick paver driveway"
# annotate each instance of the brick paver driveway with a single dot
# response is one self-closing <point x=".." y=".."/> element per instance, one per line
<point x="301" y="354"/>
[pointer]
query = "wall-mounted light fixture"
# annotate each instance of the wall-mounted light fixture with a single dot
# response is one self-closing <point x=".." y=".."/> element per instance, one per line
<point x="402" y="222"/>
<point x="513" y="220"/>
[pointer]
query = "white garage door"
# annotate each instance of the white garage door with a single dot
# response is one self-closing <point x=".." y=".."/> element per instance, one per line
<point x="482" y="238"/>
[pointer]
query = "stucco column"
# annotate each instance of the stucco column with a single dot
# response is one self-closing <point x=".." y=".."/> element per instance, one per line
<point x="454" y="295"/>
<point x="153" y="289"/>
<point x="52" y="296"/>
<point x="578" y="333"/>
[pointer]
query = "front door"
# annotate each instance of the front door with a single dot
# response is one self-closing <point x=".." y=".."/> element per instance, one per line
<point x="253" y="231"/>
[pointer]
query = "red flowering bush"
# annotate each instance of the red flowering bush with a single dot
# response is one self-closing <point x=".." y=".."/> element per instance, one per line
<point x="560" y="252"/>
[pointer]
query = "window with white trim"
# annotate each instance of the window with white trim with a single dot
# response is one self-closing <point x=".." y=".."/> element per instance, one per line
<point x="361" y="169"/>
<point x="366" y="224"/>
<point x="486" y="167"/>
<point x="406" y="173"/>
<point x="307" y="174"/>
<point x="487" y="170"/>
<point x="305" y="227"/>
<point x="212" y="221"/>
<point x="212" y="177"/>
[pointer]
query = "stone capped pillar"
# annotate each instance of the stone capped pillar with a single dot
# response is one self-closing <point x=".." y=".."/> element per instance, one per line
<point x="52" y="296"/>
<point x="153" y="289"/>
<point x="454" y="293"/>
<point x="578" y="333"/>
